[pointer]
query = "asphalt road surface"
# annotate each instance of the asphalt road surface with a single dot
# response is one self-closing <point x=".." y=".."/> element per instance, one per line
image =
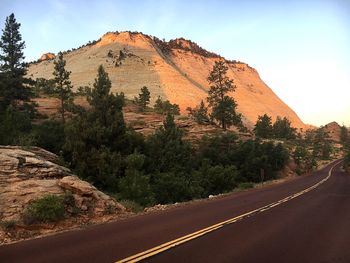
<point x="302" y="220"/>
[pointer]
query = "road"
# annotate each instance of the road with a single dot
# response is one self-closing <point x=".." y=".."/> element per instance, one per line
<point x="308" y="226"/>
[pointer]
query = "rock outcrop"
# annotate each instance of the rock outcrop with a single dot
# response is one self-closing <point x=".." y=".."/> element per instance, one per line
<point x="333" y="129"/>
<point x="47" y="56"/>
<point x="176" y="70"/>
<point x="29" y="174"/>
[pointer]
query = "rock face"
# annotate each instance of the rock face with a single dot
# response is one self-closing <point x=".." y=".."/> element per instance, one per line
<point x="47" y="56"/>
<point x="334" y="130"/>
<point x="26" y="175"/>
<point x="176" y="70"/>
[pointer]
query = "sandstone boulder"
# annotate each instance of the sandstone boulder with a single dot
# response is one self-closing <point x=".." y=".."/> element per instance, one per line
<point x="29" y="174"/>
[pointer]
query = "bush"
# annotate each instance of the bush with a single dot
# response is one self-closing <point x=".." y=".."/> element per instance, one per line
<point x="245" y="185"/>
<point x="8" y="225"/>
<point x="218" y="179"/>
<point x="135" y="185"/>
<point x="170" y="188"/>
<point x="132" y="206"/>
<point x="50" y="135"/>
<point x="49" y="208"/>
<point x="165" y="107"/>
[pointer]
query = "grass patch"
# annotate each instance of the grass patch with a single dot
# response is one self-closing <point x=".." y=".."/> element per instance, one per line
<point x="245" y="185"/>
<point x="132" y="206"/>
<point x="49" y="208"/>
<point x="8" y="225"/>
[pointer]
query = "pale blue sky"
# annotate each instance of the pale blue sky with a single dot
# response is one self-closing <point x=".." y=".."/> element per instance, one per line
<point x="300" y="48"/>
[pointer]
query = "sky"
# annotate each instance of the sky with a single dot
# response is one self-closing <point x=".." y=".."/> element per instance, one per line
<point x="301" y="49"/>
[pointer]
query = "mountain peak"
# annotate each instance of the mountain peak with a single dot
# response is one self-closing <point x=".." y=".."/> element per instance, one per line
<point x="121" y="37"/>
<point x="175" y="70"/>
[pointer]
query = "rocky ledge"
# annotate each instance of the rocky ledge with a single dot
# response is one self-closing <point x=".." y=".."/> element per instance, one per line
<point x="29" y="174"/>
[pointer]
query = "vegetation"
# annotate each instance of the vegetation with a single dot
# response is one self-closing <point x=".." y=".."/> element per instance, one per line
<point x="263" y="127"/>
<point x="280" y="129"/>
<point x="344" y="135"/>
<point x="345" y="139"/>
<point x="143" y="100"/>
<point x="8" y="225"/>
<point x="200" y="113"/>
<point x="63" y="86"/>
<point x="166" y="47"/>
<point x="223" y="106"/>
<point x="12" y="67"/>
<point x="49" y="208"/>
<point x="96" y="139"/>
<point x="16" y="110"/>
<point x="165" y="107"/>
<point x="135" y="185"/>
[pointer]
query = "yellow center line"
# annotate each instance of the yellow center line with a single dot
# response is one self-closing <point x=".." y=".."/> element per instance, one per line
<point x="173" y="243"/>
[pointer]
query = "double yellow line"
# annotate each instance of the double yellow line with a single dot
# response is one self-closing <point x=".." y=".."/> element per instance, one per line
<point x="173" y="243"/>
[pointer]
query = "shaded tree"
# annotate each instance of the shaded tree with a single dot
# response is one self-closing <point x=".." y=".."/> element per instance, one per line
<point x="165" y="107"/>
<point x="96" y="140"/>
<point x="167" y="149"/>
<point x="143" y="99"/>
<point x="63" y="86"/>
<point x="200" y="113"/>
<point x="263" y="127"/>
<point x="14" y="124"/>
<point x="282" y="129"/>
<point x="12" y="66"/>
<point x="135" y="185"/>
<point x="344" y="135"/>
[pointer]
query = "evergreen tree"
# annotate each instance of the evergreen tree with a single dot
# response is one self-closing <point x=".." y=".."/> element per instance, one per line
<point x="344" y="135"/>
<point x="135" y="185"/>
<point x="223" y="106"/>
<point x="63" y="86"/>
<point x="12" y="67"/>
<point x="14" y="125"/>
<point x="143" y="100"/>
<point x="282" y="129"/>
<point x="200" y="113"/>
<point x="96" y="140"/>
<point x="263" y="127"/>
<point x="165" y="107"/>
<point x="168" y="150"/>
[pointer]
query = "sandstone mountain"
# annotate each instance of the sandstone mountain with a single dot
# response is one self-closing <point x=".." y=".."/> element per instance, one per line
<point x="176" y="70"/>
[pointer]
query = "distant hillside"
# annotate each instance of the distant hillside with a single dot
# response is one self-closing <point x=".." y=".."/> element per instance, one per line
<point x="176" y="70"/>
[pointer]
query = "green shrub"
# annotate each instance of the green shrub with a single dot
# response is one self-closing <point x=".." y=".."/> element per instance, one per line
<point x="132" y="206"/>
<point x="49" y="208"/>
<point x="50" y="135"/>
<point x="218" y="179"/>
<point x="245" y="185"/>
<point x="8" y="225"/>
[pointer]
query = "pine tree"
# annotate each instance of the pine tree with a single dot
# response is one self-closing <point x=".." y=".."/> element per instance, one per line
<point x="344" y="135"/>
<point x="135" y="185"/>
<point x="200" y="113"/>
<point x="165" y="107"/>
<point x="167" y="148"/>
<point x="63" y="86"/>
<point x="96" y="140"/>
<point x="143" y="100"/>
<point x="223" y="106"/>
<point x="12" y="67"/>
<point x="283" y="129"/>
<point x="263" y="127"/>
